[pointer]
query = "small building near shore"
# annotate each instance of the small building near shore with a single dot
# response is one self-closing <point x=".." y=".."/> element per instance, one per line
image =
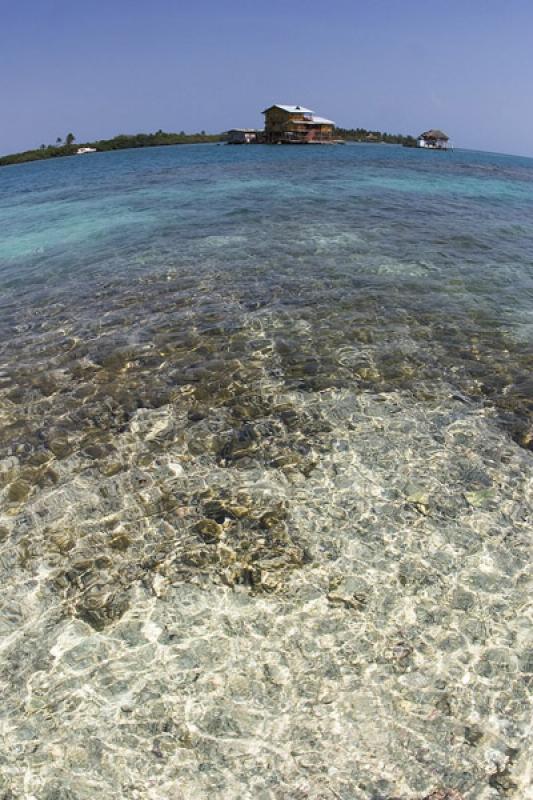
<point x="296" y="125"/>
<point x="433" y="139"/>
<point x="242" y="136"/>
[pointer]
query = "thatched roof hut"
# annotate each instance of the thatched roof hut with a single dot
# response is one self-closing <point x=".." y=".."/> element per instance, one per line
<point x="434" y="139"/>
<point x="434" y="134"/>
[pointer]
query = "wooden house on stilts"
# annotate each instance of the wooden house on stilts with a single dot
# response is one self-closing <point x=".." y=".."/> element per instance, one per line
<point x="296" y="125"/>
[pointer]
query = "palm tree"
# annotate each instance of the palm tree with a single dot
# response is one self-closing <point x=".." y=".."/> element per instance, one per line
<point x="70" y="139"/>
<point x="59" y="140"/>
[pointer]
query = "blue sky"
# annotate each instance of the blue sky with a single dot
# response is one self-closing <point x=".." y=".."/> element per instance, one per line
<point x="102" y="67"/>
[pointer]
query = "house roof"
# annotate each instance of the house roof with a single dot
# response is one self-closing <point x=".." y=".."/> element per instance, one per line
<point x="290" y="109"/>
<point x="318" y="121"/>
<point x="434" y="133"/>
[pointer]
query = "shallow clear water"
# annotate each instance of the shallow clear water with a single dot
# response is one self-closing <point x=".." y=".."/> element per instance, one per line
<point x="265" y="474"/>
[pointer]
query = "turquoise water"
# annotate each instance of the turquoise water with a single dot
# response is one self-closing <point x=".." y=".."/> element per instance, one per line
<point x="265" y="474"/>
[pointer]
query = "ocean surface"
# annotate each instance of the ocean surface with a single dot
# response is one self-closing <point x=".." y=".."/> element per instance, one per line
<point x="265" y="475"/>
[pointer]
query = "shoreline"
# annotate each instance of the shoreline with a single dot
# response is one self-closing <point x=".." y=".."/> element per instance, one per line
<point x="122" y="142"/>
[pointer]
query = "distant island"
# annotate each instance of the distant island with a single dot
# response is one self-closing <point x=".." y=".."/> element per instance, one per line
<point x="67" y="147"/>
<point x="122" y="142"/>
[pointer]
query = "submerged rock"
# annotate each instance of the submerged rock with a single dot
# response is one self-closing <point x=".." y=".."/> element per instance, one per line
<point x="209" y="530"/>
<point x="350" y="592"/>
<point x="18" y="491"/>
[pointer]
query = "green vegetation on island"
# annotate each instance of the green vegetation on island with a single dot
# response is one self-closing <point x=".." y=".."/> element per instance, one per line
<point x="67" y="147"/>
<point x="373" y="137"/>
<point x="121" y="142"/>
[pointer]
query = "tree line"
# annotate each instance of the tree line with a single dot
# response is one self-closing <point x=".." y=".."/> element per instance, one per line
<point x="364" y="135"/>
<point x="67" y="147"/>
